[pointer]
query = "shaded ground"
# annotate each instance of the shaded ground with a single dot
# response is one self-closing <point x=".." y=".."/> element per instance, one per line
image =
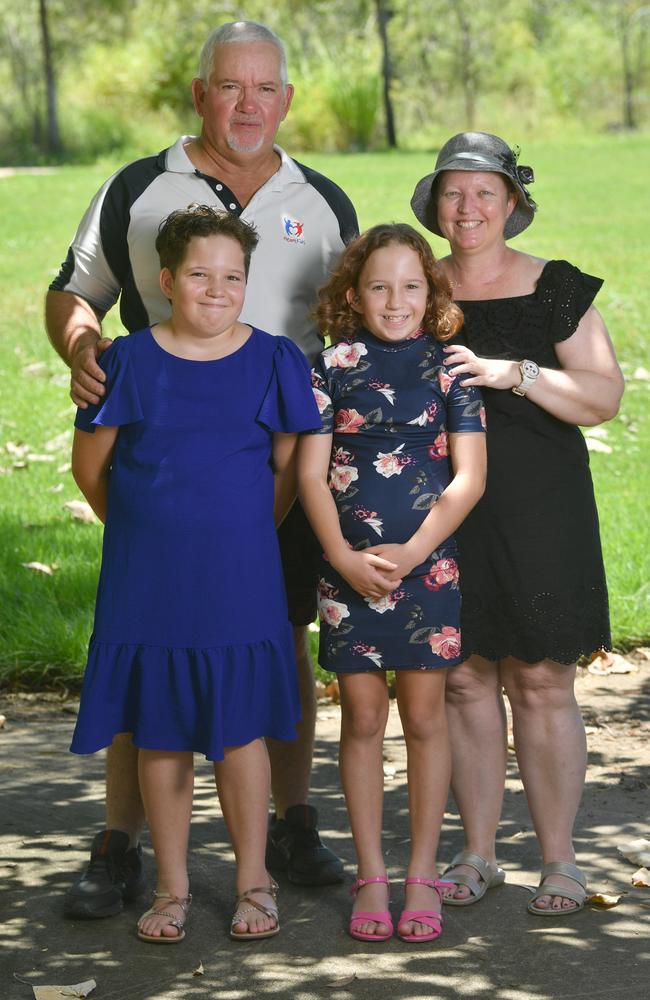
<point x="52" y="802"/>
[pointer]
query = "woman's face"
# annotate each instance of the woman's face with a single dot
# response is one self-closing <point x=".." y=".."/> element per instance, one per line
<point x="473" y="208"/>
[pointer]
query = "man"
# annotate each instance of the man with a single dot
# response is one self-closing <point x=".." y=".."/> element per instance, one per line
<point x="303" y="220"/>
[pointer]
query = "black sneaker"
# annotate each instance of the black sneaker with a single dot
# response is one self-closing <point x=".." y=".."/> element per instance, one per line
<point x="293" y="845"/>
<point x="114" y="874"/>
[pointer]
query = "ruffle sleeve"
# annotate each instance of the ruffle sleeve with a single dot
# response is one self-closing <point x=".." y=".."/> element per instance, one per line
<point x="121" y="404"/>
<point x="465" y="409"/>
<point x="567" y="292"/>
<point x="288" y="405"/>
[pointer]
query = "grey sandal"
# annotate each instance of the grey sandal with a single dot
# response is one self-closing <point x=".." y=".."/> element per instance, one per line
<point x="547" y="887"/>
<point x="174" y="920"/>
<point x="269" y="911"/>
<point x="491" y="876"/>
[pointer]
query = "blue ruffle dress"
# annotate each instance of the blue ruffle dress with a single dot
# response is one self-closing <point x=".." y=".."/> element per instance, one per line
<point x="192" y="648"/>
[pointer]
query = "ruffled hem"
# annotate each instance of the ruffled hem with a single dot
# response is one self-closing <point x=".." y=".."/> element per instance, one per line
<point x="188" y="699"/>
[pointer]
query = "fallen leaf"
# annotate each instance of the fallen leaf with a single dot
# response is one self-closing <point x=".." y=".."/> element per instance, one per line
<point x="596" y="432"/>
<point x="637" y="851"/>
<point x="642" y="374"/>
<point x="61" y="992"/>
<point x="59" y="442"/>
<point x="64" y="468"/>
<point x="332" y="691"/>
<point x="81" y="511"/>
<point x="341" y="981"/>
<point x="199" y="970"/>
<point x="35" y="368"/>
<point x="604" y="900"/>
<point x="604" y="662"/>
<point x="19" y="450"/>
<point x="594" y="444"/>
<point x="39" y="567"/>
<point x="641" y="879"/>
<point x="32" y="457"/>
<point x="55" y="489"/>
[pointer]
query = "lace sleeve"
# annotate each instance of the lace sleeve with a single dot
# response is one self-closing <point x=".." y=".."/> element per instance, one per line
<point x="567" y="293"/>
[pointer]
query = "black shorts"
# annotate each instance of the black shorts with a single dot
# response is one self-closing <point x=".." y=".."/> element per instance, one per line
<point x="301" y="553"/>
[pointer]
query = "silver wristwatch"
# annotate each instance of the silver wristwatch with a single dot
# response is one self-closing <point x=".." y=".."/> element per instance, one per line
<point x="529" y="372"/>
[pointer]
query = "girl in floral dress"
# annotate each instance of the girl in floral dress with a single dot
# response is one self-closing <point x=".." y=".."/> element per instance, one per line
<point x="396" y="466"/>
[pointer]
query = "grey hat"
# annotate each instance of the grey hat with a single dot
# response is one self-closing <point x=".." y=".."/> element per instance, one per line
<point x="478" y="151"/>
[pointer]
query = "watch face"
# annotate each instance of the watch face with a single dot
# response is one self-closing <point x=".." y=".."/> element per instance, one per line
<point x="530" y="369"/>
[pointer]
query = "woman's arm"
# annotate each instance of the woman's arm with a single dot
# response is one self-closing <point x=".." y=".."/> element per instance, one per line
<point x="469" y="463"/>
<point x="91" y="461"/>
<point x="368" y="574"/>
<point x="586" y="390"/>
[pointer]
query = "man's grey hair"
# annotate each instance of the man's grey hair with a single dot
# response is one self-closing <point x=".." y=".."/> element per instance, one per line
<point x="240" y="31"/>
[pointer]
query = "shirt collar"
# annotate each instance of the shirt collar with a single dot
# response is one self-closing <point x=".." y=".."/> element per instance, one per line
<point x="178" y="162"/>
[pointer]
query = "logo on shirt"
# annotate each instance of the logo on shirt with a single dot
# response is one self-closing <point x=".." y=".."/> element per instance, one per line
<point x="292" y="230"/>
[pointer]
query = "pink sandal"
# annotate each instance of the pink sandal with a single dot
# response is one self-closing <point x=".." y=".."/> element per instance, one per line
<point x="361" y="917"/>
<point x="431" y="918"/>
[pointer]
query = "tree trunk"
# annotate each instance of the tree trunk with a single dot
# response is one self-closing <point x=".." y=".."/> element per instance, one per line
<point x="383" y="17"/>
<point x="53" y="136"/>
<point x="468" y="71"/>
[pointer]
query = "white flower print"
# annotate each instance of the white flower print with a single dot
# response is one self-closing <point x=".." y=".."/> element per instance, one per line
<point x="391" y="463"/>
<point x="322" y="400"/>
<point x="344" y="355"/>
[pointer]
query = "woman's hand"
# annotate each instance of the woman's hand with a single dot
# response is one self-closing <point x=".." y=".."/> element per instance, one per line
<point x="490" y="372"/>
<point x="368" y="574"/>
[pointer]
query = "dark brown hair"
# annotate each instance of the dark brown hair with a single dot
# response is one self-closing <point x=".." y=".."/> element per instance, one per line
<point x="336" y="317"/>
<point x="176" y="231"/>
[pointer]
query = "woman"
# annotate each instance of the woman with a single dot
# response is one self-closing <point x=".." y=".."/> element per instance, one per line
<point x="534" y="591"/>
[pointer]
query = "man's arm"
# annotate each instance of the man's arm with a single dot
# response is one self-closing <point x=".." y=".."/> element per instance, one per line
<point x="75" y="329"/>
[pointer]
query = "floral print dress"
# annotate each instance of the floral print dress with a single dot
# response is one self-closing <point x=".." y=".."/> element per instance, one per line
<point x="390" y="408"/>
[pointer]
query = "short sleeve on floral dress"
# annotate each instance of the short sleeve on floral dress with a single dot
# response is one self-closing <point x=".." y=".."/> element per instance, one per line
<point x="530" y="556"/>
<point x="391" y="408"/>
<point x="192" y="648"/>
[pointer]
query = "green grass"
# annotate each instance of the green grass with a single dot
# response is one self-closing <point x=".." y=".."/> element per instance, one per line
<point x="592" y="195"/>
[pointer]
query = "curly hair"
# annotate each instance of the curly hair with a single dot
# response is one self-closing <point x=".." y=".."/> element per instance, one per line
<point x="183" y="225"/>
<point x="336" y="317"/>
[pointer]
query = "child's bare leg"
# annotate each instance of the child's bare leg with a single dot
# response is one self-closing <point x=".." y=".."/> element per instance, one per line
<point x="243" y="780"/>
<point x="167" y="785"/>
<point x="421" y="702"/>
<point x="124" y="809"/>
<point x="364" y="702"/>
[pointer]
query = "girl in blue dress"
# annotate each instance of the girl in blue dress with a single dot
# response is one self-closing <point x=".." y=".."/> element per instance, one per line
<point x="184" y="459"/>
<point x="397" y="464"/>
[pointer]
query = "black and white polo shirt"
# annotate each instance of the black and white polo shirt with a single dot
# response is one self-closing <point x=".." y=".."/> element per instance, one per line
<point x="303" y="220"/>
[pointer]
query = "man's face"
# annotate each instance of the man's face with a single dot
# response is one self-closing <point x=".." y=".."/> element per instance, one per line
<point x="244" y="102"/>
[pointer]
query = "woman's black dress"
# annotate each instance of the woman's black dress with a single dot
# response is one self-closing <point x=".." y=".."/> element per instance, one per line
<point x="532" y="575"/>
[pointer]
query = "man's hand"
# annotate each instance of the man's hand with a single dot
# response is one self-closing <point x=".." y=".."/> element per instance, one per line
<point x="86" y="377"/>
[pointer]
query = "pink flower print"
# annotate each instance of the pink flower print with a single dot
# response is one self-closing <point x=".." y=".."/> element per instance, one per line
<point x="322" y="400"/>
<point x="348" y="421"/>
<point x="344" y="355"/>
<point x="444" y="571"/>
<point x="341" y="472"/>
<point x="330" y="611"/>
<point x="440" y="447"/>
<point x="370" y="518"/>
<point x="483" y="418"/>
<point x="391" y="463"/>
<point x="385" y="389"/>
<point x="370" y="651"/>
<point x="446" y="643"/>
<point x="427" y="415"/>
<point x="445" y="379"/>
